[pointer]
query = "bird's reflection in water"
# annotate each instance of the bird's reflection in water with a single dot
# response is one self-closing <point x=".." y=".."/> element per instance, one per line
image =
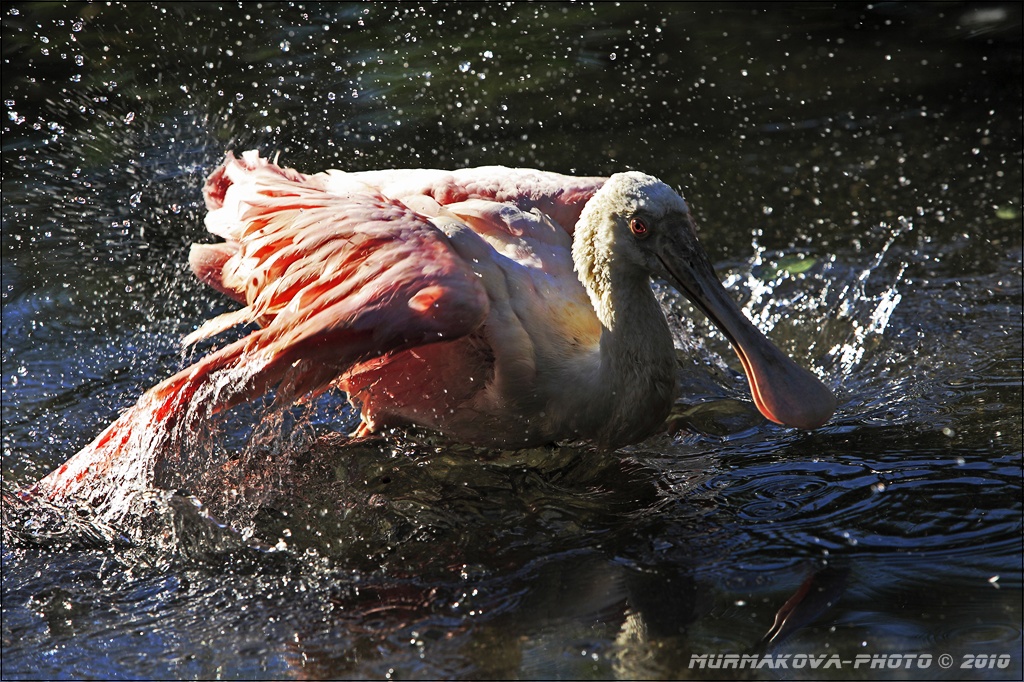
<point x="449" y="558"/>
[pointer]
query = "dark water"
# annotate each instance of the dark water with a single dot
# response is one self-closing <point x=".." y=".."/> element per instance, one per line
<point x="857" y="175"/>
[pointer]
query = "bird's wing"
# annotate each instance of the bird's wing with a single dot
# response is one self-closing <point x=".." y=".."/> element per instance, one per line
<point x="334" y="278"/>
<point x="314" y="263"/>
<point x="306" y="252"/>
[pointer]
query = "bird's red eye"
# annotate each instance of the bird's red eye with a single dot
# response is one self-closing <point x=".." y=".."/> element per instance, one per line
<point x="638" y="227"/>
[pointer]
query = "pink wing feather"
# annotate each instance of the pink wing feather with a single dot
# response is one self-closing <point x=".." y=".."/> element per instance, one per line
<point x="333" y="278"/>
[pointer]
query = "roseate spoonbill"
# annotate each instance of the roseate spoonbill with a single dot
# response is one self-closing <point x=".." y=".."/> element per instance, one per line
<point x="501" y="307"/>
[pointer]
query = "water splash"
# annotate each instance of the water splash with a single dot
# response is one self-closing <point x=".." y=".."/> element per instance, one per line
<point x="868" y="323"/>
<point x="829" y="313"/>
<point x="168" y="442"/>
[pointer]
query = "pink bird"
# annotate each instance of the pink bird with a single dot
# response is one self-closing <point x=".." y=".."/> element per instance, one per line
<point x="500" y="307"/>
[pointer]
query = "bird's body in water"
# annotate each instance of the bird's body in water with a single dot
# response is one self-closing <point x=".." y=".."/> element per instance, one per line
<point x="500" y="307"/>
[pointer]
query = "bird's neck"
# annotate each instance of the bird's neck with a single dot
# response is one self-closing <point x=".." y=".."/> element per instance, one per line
<point x="635" y="338"/>
<point x="638" y="365"/>
<point x="634" y="384"/>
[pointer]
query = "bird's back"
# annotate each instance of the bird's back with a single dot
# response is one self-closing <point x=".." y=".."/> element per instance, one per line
<point x="297" y="244"/>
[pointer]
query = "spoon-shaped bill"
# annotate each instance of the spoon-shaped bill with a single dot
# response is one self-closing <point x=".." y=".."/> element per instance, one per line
<point x="783" y="391"/>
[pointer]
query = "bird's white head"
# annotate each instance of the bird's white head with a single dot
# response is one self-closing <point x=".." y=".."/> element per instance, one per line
<point x="620" y="233"/>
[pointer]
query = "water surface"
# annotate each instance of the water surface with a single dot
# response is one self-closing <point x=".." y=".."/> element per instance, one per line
<point x="856" y="172"/>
